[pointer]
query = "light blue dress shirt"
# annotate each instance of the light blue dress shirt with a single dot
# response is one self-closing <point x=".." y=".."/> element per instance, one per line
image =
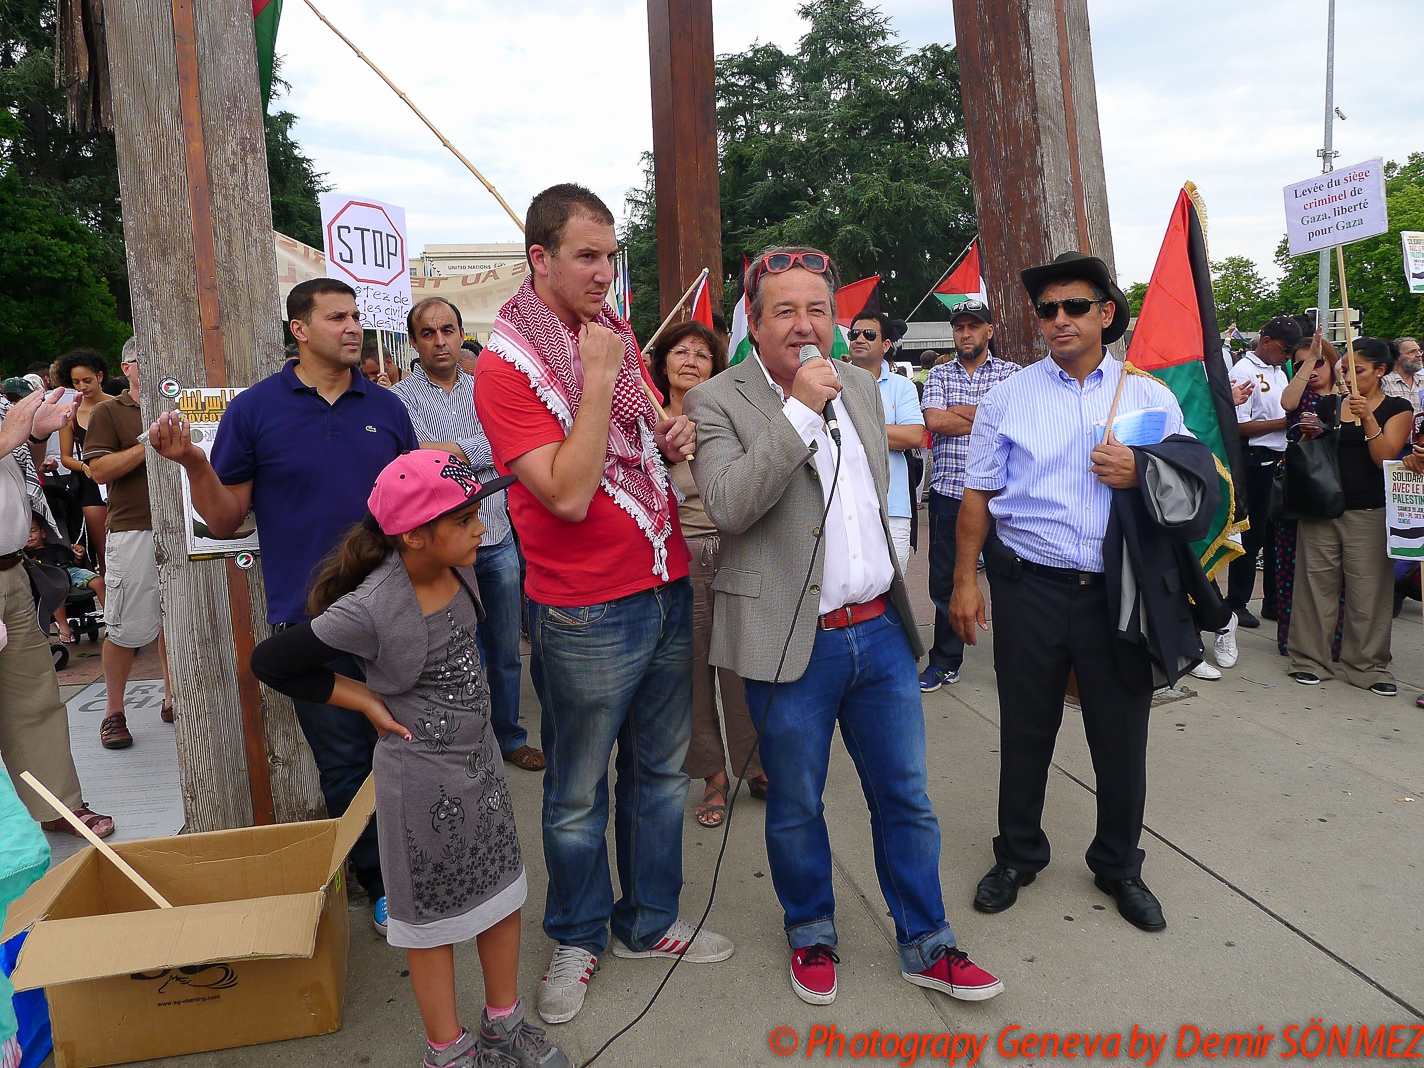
<point x="902" y="408"/>
<point x="1031" y="442"/>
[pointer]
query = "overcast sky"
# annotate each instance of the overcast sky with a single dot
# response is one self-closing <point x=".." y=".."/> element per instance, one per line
<point x="1228" y="93"/>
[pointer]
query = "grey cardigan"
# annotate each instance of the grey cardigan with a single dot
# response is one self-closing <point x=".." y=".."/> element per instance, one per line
<point x="759" y="485"/>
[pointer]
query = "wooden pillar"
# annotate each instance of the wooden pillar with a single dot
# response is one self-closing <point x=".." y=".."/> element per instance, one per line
<point x="203" y="273"/>
<point x="685" y="173"/>
<point x="1035" y="152"/>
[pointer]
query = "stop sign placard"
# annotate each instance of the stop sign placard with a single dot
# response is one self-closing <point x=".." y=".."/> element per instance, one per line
<point x="366" y="248"/>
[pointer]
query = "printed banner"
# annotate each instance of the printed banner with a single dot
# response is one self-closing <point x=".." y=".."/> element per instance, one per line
<point x="1336" y="208"/>
<point x="1404" y="511"/>
<point x="1413" y="260"/>
<point x="204" y="408"/>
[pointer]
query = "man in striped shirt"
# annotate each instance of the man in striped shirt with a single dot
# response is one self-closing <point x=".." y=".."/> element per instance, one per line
<point x="440" y="397"/>
<point x="1037" y="471"/>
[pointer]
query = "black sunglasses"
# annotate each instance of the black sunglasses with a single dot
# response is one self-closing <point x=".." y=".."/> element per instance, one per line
<point x="1076" y="307"/>
<point x="869" y="335"/>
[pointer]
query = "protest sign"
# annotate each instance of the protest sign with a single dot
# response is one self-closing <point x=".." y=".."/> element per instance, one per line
<point x="1404" y="511"/>
<point x="366" y="249"/>
<point x="1413" y="260"/>
<point x="1336" y="208"/>
<point x="204" y="408"/>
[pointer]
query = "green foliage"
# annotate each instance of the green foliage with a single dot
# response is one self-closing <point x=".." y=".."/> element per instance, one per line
<point x="1374" y="268"/>
<point x="1242" y="296"/>
<point x="293" y="179"/>
<point x="1134" y="294"/>
<point x="53" y="296"/>
<point x="853" y="143"/>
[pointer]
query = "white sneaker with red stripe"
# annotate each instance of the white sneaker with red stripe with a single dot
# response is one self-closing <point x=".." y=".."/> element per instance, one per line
<point x="677" y="941"/>
<point x="564" y="984"/>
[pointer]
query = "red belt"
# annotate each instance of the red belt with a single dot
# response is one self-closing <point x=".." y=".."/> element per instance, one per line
<point x="852" y="613"/>
<point x="10" y="560"/>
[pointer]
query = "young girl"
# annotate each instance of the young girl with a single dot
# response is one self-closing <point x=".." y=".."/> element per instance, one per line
<point x="83" y="370"/>
<point x="400" y="595"/>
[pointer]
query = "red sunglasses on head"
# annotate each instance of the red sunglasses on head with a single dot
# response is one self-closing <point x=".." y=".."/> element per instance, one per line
<point x="781" y="262"/>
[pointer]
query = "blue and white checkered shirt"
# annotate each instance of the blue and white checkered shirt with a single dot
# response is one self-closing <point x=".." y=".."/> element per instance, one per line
<point x="947" y="386"/>
<point x="440" y="416"/>
<point x="1031" y="441"/>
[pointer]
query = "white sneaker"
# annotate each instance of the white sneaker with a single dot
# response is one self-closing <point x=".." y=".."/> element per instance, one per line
<point x="564" y="984"/>
<point x="1225" y="644"/>
<point x="706" y="948"/>
<point x="1205" y="671"/>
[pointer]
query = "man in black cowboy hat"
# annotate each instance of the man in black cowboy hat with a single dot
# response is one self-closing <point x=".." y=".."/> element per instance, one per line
<point x="1036" y="467"/>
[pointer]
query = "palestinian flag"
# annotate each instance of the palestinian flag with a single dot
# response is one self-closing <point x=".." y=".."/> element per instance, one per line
<point x="739" y="343"/>
<point x="965" y="282"/>
<point x="702" y="304"/>
<point x="1176" y="331"/>
<point x="265" y="16"/>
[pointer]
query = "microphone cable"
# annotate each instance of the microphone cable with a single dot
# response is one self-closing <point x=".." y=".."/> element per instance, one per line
<point x="741" y="775"/>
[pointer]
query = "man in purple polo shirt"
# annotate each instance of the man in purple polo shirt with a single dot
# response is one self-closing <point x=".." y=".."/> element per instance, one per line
<point x="302" y="449"/>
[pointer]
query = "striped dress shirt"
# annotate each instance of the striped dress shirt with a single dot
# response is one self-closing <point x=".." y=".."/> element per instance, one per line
<point x="440" y="416"/>
<point x="1031" y="442"/>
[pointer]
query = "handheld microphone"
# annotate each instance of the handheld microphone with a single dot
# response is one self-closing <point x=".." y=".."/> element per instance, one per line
<point x="833" y="426"/>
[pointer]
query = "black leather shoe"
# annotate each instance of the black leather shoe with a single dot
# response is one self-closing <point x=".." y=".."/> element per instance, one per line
<point x="1138" y="905"/>
<point x="1246" y="619"/>
<point x="1000" y="888"/>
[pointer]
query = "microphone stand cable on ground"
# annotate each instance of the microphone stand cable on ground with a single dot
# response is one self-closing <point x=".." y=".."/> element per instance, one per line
<point x="756" y="744"/>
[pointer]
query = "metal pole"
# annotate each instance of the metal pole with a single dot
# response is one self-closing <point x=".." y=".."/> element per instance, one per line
<point x="1327" y="156"/>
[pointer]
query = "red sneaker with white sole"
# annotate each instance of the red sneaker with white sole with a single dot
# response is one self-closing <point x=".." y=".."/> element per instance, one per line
<point x="813" y="974"/>
<point x="953" y="973"/>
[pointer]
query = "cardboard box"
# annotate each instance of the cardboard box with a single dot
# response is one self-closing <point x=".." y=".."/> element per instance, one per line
<point x="254" y="949"/>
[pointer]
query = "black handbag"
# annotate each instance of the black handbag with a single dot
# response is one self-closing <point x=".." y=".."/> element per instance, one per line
<point x="1307" y="483"/>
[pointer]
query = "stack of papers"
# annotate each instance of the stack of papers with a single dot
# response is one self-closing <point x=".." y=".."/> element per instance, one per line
<point x="1145" y="426"/>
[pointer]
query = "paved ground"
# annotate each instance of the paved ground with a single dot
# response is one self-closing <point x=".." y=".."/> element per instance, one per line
<point x="1285" y="839"/>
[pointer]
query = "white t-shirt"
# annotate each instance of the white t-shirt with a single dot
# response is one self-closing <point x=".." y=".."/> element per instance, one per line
<point x="1264" y="401"/>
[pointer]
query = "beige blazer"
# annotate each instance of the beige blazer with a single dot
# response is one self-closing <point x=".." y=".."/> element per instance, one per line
<point x="759" y="485"/>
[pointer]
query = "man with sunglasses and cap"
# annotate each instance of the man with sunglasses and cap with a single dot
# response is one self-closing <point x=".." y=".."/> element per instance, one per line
<point x="772" y="472"/>
<point x="1037" y="497"/>
<point x="869" y="338"/>
<point x="952" y="395"/>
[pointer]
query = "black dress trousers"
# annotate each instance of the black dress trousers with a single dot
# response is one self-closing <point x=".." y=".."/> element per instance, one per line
<point x="1044" y="626"/>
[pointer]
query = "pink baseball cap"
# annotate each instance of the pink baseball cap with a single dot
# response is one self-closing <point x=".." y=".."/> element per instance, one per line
<point x="419" y="486"/>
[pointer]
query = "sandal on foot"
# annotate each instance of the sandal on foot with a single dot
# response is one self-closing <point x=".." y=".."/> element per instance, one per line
<point x="101" y="825"/>
<point x="528" y="758"/>
<point x="166" y="712"/>
<point x="711" y="813"/>
<point x="114" y="733"/>
<point x="757" y="787"/>
<point x="69" y="639"/>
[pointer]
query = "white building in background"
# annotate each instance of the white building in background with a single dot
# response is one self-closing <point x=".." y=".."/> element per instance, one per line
<point x="446" y="261"/>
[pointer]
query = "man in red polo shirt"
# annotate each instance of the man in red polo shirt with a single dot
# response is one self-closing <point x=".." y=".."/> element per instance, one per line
<point x="560" y="395"/>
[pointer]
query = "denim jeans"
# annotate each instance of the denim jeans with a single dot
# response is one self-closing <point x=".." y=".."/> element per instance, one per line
<point x="497" y="571"/>
<point x="864" y="677"/>
<point x="614" y="673"/>
<point x="342" y="742"/>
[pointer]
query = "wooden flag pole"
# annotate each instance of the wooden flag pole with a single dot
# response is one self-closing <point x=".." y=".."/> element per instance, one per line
<point x="1345" y="310"/>
<point x="95" y="841"/>
<point x="1117" y="396"/>
<point x="675" y="309"/>
<point x="421" y="116"/>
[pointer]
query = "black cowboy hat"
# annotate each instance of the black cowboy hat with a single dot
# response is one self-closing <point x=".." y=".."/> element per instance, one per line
<point x="1074" y="265"/>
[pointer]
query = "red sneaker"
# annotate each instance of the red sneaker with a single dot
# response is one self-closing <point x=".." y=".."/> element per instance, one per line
<point x="953" y="973"/>
<point x="813" y="974"/>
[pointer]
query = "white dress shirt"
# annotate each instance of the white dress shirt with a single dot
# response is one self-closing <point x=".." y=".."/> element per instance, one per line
<point x="1265" y="400"/>
<point x="858" y="567"/>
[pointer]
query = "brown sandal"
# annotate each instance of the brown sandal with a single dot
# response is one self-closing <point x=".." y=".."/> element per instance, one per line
<point x="711" y="813"/>
<point x="757" y="787"/>
<point x="114" y="732"/>
<point x="528" y="758"/>
<point x="87" y="816"/>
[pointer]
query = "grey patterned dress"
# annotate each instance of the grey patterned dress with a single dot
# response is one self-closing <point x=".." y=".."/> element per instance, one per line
<point x="450" y="854"/>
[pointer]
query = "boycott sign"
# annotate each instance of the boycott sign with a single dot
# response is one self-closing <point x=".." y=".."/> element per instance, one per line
<point x="1336" y="208"/>
<point x="366" y="249"/>
<point x="1404" y="511"/>
<point x="1413" y="259"/>
<point x="204" y="408"/>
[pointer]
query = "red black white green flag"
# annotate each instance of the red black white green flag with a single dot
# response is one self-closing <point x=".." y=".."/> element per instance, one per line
<point x="1177" y="341"/>
<point x="265" y="16"/>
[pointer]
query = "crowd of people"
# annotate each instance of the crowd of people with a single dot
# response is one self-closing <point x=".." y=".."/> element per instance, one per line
<point x="693" y="551"/>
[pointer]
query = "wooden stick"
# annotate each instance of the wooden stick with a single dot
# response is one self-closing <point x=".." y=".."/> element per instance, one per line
<point x="1117" y="396"/>
<point x="675" y="309"/>
<point x="95" y="841"/>
<point x="1345" y="309"/>
<point x="421" y="115"/>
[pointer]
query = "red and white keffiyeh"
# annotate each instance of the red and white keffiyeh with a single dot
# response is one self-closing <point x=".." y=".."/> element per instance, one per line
<point x="531" y="337"/>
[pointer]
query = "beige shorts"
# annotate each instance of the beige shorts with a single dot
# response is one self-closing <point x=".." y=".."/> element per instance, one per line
<point x="131" y="613"/>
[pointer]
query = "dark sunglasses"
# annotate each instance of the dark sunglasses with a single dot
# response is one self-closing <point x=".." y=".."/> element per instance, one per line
<point x="1076" y="307"/>
<point x="869" y="335"/>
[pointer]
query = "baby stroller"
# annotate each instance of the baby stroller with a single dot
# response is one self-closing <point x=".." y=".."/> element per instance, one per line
<point x="50" y="586"/>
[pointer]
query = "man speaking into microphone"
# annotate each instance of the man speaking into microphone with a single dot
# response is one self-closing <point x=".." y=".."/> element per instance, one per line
<point x="785" y="438"/>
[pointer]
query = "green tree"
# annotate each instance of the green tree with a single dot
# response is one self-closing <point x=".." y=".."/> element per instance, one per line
<point x="1135" y="294"/>
<point x="1242" y="296"/>
<point x="853" y="143"/>
<point x="53" y="294"/>
<point x="1374" y="268"/>
<point x="294" y="181"/>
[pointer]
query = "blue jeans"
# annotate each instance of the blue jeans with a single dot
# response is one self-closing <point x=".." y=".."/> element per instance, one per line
<point x="863" y="676"/>
<point x="497" y="571"/>
<point x="618" y="672"/>
<point x="342" y="742"/>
